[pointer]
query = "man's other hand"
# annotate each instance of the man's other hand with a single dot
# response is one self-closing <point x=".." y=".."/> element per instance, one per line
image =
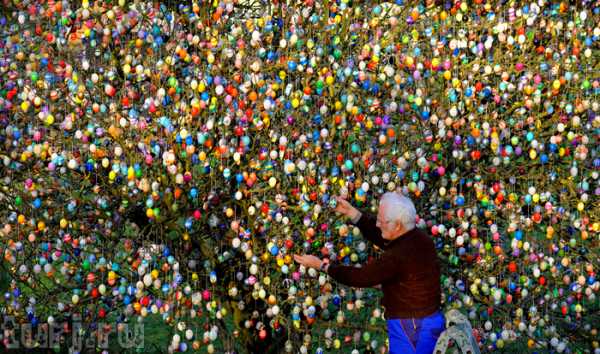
<point x="308" y="260"/>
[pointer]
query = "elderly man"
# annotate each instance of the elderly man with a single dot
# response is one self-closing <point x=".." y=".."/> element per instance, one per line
<point x="408" y="271"/>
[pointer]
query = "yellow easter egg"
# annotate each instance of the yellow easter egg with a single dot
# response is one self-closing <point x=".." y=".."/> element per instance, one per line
<point x="556" y="84"/>
<point x="532" y="154"/>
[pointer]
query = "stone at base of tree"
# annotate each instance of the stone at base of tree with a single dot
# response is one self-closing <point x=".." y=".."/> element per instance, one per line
<point x="458" y="329"/>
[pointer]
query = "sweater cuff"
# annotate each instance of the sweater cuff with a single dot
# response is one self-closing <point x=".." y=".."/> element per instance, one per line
<point x="330" y="269"/>
<point x="356" y="218"/>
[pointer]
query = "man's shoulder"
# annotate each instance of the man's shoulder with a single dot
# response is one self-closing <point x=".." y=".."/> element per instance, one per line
<point x="422" y="237"/>
<point x="422" y="232"/>
<point x="419" y="233"/>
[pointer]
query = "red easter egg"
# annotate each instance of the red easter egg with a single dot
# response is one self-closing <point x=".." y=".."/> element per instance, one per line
<point x="109" y="90"/>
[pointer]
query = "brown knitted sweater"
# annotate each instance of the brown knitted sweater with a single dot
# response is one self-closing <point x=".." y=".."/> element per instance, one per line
<point x="408" y="271"/>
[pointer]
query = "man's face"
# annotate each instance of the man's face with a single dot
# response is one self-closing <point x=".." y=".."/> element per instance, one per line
<point x="388" y="228"/>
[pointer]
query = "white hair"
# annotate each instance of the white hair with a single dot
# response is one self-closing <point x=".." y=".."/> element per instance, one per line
<point x="399" y="208"/>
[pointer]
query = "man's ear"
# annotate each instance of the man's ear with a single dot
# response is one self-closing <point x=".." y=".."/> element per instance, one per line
<point x="400" y="226"/>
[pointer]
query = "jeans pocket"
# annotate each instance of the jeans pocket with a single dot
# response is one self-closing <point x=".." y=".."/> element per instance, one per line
<point x="438" y="325"/>
<point x="437" y="331"/>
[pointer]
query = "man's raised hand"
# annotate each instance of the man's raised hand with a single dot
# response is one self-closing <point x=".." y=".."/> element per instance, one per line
<point x="345" y="208"/>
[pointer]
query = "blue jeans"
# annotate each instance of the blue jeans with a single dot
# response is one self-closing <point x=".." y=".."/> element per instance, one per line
<point x="415" y="335"/>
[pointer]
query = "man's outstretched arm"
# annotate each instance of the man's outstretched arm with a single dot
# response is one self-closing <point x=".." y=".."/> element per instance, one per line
<point x="373" y="273"/>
